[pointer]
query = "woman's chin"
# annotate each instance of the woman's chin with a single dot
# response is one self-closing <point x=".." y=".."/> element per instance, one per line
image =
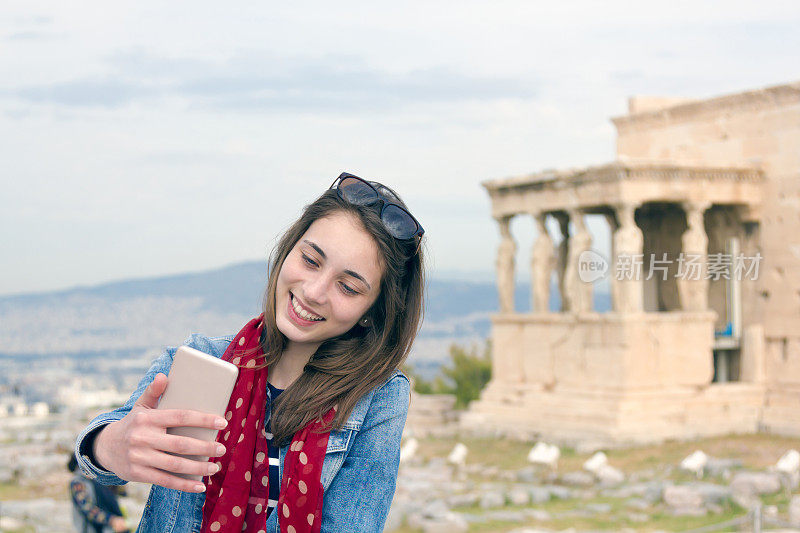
<point x="294" y="332"/>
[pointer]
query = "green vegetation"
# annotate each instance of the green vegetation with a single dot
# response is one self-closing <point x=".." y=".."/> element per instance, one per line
<point x="574" y="517"/>
<point x="465" y="375"/>
<point x="9" y="491"/>
<point x="55" y="487"/>
<point x="25" y="529"/>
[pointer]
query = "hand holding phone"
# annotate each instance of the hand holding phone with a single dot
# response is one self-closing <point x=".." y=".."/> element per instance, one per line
<point x="199" y="382"/>
<point x="140" y="448"/>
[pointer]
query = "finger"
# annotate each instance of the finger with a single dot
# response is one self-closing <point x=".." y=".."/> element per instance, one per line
<point x="153" y="392"/>
<point x="174" y="464"/>
<point x="170" y="418"/>
<point x="167" y="480"/>
<point x="188" y="446"/>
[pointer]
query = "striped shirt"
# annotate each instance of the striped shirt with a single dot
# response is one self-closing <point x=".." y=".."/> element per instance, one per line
<point x="274" y="460"/>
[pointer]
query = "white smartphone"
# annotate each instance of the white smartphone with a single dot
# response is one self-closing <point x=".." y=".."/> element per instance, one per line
<point x="199" y="382"/>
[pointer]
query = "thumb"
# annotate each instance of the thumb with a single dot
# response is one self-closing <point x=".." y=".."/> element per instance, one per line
<point x="153" y="392"/>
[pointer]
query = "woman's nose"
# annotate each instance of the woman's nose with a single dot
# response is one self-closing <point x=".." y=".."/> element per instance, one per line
<point x="315" y="290"/>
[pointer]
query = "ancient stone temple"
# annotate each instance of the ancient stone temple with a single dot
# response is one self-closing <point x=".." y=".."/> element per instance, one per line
<point x="703" y="337"/>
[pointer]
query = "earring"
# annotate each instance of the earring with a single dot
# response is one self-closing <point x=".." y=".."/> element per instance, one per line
<point x="364" y="322"/>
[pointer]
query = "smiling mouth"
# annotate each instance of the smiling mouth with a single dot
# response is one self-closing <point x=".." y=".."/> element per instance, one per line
<point x="302" y="313"/>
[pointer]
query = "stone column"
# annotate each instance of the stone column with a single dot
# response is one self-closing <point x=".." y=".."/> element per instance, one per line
<point x="579" y="293"/>
<point x="543" y="260"/>
<point x="691" y="276"/>
<point x="561" y="257"/>
<point x="627" y="261"/>
<point x="611" y="220"/>
<point x="505" y="266"/>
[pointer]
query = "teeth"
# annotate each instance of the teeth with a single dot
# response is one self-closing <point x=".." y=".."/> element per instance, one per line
<point x="302" y="312"/>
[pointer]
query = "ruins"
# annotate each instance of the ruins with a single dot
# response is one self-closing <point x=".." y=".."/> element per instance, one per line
<point x="703" y="338"/>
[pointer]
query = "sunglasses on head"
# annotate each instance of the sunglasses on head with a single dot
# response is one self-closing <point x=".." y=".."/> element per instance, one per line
<point x="398" y="221"/>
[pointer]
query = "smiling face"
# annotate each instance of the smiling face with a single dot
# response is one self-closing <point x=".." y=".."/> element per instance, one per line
<point x="329" y="280"/>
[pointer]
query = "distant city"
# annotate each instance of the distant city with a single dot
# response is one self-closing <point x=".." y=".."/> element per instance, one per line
<point x="89" y="346"/>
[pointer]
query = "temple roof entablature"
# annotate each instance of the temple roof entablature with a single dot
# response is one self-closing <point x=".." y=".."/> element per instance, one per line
<point x="595" y="189"/>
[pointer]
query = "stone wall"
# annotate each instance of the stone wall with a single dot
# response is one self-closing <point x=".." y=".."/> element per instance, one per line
<point x="431" y="414"/>
<point x="628" y="379"/>
<point x="618" y="418"/>
<point x="609" y="351"/>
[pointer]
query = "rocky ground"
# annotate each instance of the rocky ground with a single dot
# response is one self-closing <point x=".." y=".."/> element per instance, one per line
<point x="497" y="490"/>
<point x="643" y="489"/>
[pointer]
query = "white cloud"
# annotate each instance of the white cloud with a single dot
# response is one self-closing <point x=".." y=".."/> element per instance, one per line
<point x="137" y="135"/>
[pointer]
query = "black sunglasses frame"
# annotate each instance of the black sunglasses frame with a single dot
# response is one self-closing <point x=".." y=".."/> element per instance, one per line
<point x="418" y="233"/>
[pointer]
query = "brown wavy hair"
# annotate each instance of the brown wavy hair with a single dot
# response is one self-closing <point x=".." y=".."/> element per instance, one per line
<point x="346" y="367"/>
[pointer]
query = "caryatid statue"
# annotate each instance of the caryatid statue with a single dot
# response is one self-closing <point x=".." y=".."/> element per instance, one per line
<point x="561" y="257"/>
<point x="611" y="220"/>
<point x="505" y="266"/>
<point x="628" y="242"/>
<point x="543" y="260"/>
<point x="691" y="278"/>
<point x="579" y="293"/>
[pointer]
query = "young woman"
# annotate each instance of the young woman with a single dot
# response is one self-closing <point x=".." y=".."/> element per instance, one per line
<point x="311" y="438"/>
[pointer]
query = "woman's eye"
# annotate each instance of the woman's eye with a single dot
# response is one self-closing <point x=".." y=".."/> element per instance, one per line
<point x="309" y="260"/>
<point x="347" y="289"/>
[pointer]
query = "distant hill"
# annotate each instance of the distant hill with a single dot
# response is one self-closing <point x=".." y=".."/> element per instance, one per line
<point x="236" y="288"/>
<point x="138" y="314"/>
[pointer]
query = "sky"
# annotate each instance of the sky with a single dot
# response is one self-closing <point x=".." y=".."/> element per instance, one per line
<point x="148" y="138"/>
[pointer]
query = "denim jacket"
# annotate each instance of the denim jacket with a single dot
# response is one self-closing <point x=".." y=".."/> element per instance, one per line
<point x="359" y="472"/>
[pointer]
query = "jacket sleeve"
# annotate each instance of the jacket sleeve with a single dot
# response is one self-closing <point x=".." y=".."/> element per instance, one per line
<point x="359" y="496"/>
<point x="83" y="444"/>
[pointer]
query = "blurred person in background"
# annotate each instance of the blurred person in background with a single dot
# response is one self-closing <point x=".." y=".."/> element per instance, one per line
<point x="94" y="506"/>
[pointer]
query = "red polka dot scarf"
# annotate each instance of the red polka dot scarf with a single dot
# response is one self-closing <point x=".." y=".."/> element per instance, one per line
<point x="236" y="496"/>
